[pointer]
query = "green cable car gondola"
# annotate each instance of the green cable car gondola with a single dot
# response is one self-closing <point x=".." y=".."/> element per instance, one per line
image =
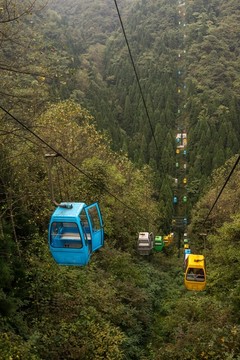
<point x="158" y="243"/>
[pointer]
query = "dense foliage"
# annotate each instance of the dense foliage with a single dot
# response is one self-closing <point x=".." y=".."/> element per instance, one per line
<point x="66" y="74"/>
<point x="189" y="74"/>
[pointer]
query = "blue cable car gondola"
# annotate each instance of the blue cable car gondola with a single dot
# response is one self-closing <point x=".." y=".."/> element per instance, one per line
<point x="187" y="252"/>
<point x="75" y="232"/>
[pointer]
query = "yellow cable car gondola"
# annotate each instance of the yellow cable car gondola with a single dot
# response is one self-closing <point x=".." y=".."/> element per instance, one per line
<point x="195" y="272"/>
<point x="168" y="239"/>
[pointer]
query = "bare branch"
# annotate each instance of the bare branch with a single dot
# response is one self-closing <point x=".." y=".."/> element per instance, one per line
<point x="4" y="68"/>
<point x="13" y="15"/>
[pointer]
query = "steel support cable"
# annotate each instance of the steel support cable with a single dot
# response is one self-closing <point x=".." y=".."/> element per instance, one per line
<point x="220" y="192"/>
<point x="136" y="74"/>
<point x="72" y="164"/>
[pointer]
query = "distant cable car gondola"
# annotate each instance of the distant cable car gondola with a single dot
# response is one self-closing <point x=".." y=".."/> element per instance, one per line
<point x="185" y="240"/>
<point x="75" y="232"/>
<point x="158" y="243"/>
<point x="195" y="272"/>
<point x="187" y="252"/>
<point x="145" y="243"/>
<point x="168" y="239"/>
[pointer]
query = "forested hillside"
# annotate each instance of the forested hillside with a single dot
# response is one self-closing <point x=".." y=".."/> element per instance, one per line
<point x="67" y="83"/>
<point x="189" y="76"/>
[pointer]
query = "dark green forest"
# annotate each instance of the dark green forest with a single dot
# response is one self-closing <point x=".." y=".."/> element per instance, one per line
<point x="67" y="76"/>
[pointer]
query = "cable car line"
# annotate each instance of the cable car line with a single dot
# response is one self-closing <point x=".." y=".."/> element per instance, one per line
<point x="58" y="153"/>
<point x="194" y="264"/>
<point x="136" y="74"/>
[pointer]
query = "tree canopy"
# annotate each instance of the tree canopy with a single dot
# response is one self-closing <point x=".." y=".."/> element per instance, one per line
<point x="67" y="77"/>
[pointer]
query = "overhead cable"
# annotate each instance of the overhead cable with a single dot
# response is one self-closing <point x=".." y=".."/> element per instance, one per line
<point x="58" y="153"/>
<point x="220" y="192"/>
<point x="136" y="74"/>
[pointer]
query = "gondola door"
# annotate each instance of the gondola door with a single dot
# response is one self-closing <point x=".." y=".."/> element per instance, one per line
<point x="95" y="222"/>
